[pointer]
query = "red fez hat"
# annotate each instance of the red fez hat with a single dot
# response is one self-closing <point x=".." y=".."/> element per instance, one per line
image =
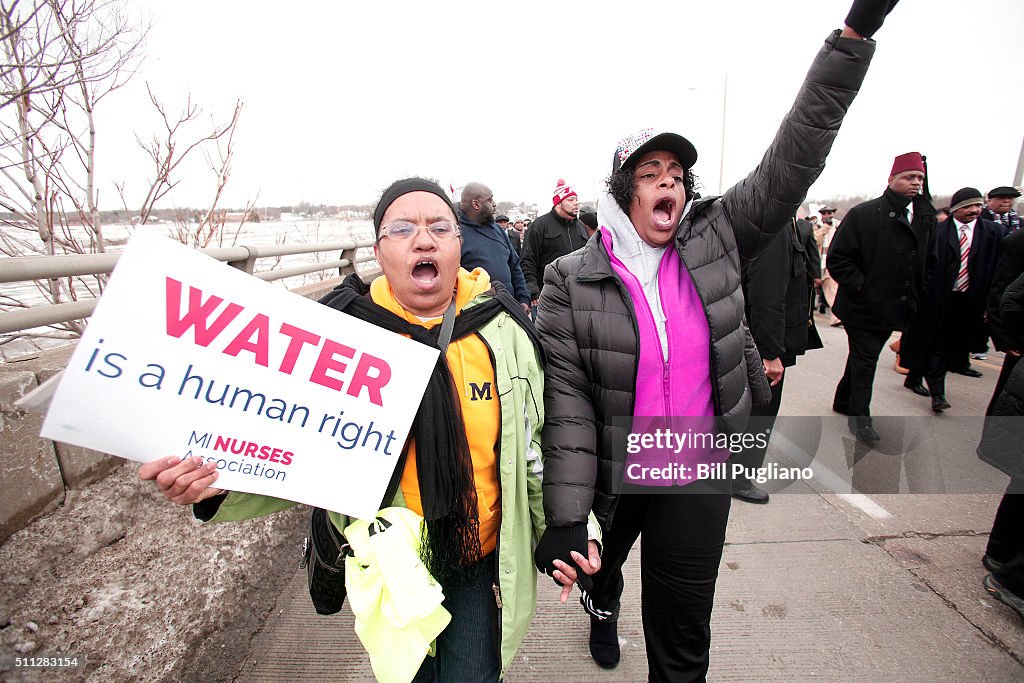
<point x="911" y="161"/>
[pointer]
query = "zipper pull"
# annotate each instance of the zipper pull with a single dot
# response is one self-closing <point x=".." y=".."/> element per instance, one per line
<point x="497" y="594"/>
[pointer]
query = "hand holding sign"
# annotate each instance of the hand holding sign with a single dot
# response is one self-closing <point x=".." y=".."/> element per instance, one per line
<point x="182" y="481"/>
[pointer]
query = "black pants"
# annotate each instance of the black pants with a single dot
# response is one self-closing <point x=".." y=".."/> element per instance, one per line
<point x="762" y="418"/>
<point x="683" y="535"/>
<point x="853" y="394"/>
<point x="1009" y="362"/>
<point x="1006" y="540"/>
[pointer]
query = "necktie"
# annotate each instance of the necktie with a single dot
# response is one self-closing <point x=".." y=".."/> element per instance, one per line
<point x="965" y="250"/>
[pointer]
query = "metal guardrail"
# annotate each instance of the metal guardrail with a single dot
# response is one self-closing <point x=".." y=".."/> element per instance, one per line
<point x="29" y="268"/>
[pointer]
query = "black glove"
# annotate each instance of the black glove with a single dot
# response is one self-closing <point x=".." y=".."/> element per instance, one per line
<point x="866" y="16"/>
<point x="556" y="543"/>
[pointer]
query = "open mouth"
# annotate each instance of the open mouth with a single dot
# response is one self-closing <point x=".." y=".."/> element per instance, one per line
<point x="425" y="272"/>
<point x="663" y="213"/>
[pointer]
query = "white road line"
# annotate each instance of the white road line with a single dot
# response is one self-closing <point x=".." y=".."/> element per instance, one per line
<point x="865" y="505"/>
<point x="830" y="479"/>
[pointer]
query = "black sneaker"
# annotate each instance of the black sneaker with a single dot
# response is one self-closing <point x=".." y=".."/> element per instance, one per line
<point x="990" y="563"/>
<point x="1000" y="593"/>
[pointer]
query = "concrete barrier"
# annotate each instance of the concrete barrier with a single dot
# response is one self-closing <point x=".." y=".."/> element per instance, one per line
<point x="32" y="483"/>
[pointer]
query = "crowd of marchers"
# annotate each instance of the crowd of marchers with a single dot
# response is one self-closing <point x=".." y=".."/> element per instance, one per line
<point x="658" y="309"/>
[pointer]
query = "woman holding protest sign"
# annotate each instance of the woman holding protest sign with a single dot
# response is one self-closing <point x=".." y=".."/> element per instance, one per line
<point x="646" y="323"/>
<point x="472" y="466"/>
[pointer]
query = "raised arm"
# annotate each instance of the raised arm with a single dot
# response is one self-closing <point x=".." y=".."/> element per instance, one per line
<point x="764" y="200"/>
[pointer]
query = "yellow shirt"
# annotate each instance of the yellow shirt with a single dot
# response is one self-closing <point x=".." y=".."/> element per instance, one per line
<point x="473" y="374"/>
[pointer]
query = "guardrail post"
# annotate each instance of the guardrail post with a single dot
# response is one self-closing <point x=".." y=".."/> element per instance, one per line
<point x="248" y="263"/>
<point x="349" y="254"/>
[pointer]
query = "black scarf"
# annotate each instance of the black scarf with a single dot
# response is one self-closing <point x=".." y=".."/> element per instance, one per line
<point x="444" y="465"/>
<point x="1010" y="219"/>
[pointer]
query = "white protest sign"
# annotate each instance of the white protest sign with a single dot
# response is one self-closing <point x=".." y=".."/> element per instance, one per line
<point x="187" y="355"/>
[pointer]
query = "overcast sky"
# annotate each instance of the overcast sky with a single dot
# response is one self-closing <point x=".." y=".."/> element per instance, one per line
<point x="341" y="98"/>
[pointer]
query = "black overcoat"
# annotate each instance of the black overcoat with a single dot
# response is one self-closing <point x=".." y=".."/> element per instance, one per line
<point x="881" y="262"/>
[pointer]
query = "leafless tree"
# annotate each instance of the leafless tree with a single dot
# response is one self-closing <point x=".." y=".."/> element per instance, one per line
<point x="59" y="59"/>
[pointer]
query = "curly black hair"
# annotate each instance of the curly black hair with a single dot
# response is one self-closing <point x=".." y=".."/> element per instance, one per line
<point x="621" y="184"/>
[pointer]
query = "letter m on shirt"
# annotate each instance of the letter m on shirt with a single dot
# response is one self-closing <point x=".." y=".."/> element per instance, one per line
<point x="480" y="391"/>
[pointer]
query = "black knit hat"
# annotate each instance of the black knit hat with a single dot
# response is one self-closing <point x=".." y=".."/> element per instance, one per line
<point x="965" y="196"/>
<point x="405" y="186"/>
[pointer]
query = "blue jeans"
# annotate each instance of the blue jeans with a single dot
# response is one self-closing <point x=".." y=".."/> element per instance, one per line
<point x="466" y="649"/>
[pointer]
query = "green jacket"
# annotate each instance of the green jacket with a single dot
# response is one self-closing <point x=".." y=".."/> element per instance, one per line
<point x="520" y="389"/>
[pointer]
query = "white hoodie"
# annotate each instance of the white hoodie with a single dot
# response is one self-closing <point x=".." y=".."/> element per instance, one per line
<point x="640" y="258"/>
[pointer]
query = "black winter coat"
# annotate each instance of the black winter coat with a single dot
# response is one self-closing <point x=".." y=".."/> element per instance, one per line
<point x="881" y="262"/>
<point x="547" y="238"/>
<point x="930" y="317"/>
<point x="1009" y="266"/>
<point x="1002" y="440"/>
<point x="588" y="323"/>
<point x="777" y="287"/>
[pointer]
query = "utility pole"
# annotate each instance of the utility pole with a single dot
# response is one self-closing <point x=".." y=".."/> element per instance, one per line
<point x="721" y="158"/>
<point x="1017" y="176"/>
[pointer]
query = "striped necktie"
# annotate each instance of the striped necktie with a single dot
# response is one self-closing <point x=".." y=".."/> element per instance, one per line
<point x="965" y="251"/>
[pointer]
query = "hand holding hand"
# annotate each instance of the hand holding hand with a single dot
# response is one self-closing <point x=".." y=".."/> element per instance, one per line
<point x="567" y="575"/>
<point x="773" y="369"/>
<point x="182" y="481"/>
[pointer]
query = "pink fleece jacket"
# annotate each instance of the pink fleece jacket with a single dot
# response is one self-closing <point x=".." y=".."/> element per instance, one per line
<point x="673" y="390"/>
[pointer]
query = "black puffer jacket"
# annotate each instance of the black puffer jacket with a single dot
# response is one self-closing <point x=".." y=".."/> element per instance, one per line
<point x="587" y="321"/>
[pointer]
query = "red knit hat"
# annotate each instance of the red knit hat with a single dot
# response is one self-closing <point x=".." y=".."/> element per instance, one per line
<point x="562" y="192"/>
<point x="911" y="161"/>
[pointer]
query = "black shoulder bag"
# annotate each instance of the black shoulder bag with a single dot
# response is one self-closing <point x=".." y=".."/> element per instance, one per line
<point x="324" y="549"/>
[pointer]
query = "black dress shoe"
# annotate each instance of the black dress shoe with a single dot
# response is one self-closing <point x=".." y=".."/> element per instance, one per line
<point x="916" y="388"/>
<point x="604" y="643"/>
<point x="968" y="372"/>
<point x="866" y="434"/>
<point x="751" y="494"/>
<point x="939" y="403"/>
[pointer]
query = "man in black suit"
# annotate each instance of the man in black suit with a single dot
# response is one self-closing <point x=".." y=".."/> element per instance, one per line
<point x="952" y="308"/>
<point x="881" y="258"/>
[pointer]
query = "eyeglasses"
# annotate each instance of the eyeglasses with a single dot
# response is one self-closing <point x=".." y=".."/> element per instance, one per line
<point x="403" y="230"/>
